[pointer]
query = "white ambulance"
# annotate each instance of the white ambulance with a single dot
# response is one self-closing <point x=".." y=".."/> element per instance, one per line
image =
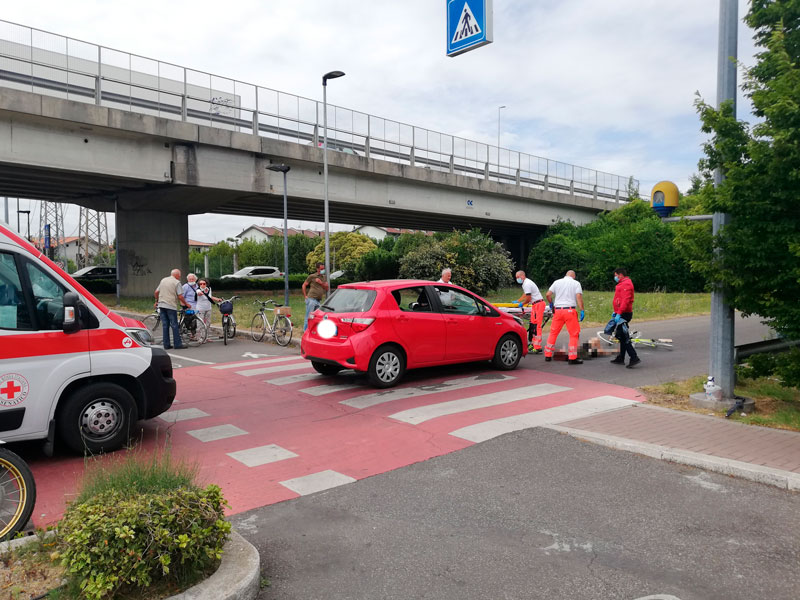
<point x="70" y="368"/>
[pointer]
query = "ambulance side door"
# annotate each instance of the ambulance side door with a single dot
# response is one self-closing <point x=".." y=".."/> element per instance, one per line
<point x="37" y="359"/>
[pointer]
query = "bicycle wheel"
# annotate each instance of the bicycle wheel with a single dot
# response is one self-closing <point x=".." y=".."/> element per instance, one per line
<point x="258" y="327"/>
<point x="153" y="324"/>
<point x="201" y="332"/>
<point x="225" y="329"/>
<point x="189" y="333"/>
<point x="17" y="493"/>
<point x="607" y="338"/>
<point x="282" y="330"/>
<point x="231" y="327"/>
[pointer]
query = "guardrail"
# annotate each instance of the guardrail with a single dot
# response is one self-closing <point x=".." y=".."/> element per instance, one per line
<point x="47" y="63"/>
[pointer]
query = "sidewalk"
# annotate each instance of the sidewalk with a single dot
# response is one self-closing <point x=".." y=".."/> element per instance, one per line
<point x="760" y="454"/>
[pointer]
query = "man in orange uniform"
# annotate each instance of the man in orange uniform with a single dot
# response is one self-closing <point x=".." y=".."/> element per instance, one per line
<point x="531" y="295"/>
<point x="568" y="296"/>
<point x="623" y="311"/>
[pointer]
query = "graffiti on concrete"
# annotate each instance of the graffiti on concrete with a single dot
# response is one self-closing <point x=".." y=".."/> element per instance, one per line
<point x="138" y="265"/>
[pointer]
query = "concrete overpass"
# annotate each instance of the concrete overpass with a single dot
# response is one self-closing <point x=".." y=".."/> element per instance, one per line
<point x="155" y="160"/>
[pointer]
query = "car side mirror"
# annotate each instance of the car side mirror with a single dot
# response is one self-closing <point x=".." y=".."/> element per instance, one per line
<point x="72" y="322"/>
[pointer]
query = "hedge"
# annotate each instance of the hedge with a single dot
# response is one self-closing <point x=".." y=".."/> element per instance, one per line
<point x="108" y="286"/>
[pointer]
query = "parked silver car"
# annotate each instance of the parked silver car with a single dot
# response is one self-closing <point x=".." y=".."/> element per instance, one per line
<point x="255" y="273"/>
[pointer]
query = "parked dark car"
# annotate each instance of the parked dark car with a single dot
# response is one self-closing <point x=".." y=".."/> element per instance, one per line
<point x="96" y="272"/>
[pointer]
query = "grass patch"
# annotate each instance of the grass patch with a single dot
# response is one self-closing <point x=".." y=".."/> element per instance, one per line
<point x="776" y="406"/>
<point x="134" y="473"/>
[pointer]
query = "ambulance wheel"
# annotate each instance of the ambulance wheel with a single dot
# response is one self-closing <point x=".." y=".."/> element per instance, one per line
<point x="97" y="418"/>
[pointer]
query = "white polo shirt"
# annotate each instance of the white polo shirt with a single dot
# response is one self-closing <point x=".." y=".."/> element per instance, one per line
<point x="565" y="290"/>
<point x="528" y="287"/>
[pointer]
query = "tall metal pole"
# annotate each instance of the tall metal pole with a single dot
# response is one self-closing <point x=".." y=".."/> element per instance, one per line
<point x="285" y="243"/>
<point x="721" y="365"/>
<point x="325" y="175"/>
<point x="498" y="132"/>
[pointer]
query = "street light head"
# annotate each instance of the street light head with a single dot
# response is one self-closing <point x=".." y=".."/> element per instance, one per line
<point x="499" y="107"/>
<point x="279" y="168"/>
<point x="331" y="75"/>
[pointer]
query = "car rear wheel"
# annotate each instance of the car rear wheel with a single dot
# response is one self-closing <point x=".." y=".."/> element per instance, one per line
<point x="386" y="367"/>
<point x="508" y="353"/>
<point x="325" y="368"/>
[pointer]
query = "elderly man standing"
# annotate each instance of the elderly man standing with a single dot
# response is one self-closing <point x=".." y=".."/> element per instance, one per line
<point x="568" y="296"/>
<point x="169" y="296"/>
<point x="531" y="295"/>
<point x="314" y="288"/>
<point x="447" y="274"/>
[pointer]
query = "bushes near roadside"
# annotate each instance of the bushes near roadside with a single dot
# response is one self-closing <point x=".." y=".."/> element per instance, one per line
<point x="139" y="523"/>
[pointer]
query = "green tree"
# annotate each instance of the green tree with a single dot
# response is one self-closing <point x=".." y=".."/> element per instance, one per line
<point x="758" y="263"/>
<point x="377" y="264"/>
<point x="347" y="248"/>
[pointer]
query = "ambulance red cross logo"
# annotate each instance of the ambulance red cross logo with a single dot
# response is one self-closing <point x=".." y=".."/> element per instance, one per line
<point x="13" y="389"/>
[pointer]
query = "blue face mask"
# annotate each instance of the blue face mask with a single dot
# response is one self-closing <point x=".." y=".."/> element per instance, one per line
<point x="519" y="281"/>
<point x="322" y="271"/>
<point x="616" y="278"/>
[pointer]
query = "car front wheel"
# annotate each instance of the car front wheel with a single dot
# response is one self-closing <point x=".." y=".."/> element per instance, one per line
<point x="386" y="367"/>
<point x="508" y="353"/>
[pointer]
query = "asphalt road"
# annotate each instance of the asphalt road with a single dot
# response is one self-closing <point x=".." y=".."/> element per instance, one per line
<point x="532" y="514"/>
<point x="689" y="356"/>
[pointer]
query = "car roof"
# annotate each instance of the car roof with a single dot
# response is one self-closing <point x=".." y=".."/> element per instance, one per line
<point x="391" y="283"/>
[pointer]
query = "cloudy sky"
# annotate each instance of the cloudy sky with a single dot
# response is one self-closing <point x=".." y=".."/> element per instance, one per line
<point x="604" y="85"/>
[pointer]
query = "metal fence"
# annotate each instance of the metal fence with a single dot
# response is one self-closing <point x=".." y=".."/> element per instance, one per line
<point x="47" y="63"/>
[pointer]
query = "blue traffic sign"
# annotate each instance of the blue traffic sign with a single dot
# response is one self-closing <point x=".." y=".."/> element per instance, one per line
<point x="469" y="25"/>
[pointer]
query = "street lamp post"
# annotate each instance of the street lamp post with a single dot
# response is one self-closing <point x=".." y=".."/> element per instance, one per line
<point x="331" y="75"/>
<point x="499" y="108"/>
<point x="284" y="169"/>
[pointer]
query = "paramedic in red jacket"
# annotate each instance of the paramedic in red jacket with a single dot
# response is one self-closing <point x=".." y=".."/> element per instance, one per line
<point x="623" y="311"/>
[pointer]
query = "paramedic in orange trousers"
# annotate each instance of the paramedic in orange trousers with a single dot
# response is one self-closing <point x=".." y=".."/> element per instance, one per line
<point x="568" y="296"/>
<point x="623" y="311"/>
<point x="531" y="295"/>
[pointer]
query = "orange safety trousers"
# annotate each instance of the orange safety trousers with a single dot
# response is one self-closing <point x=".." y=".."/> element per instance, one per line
<point x="537" y="314"/>
<point x="561" y="317"/>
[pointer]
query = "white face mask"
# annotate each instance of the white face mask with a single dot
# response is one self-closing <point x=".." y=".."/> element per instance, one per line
<point x="322" y="271"/>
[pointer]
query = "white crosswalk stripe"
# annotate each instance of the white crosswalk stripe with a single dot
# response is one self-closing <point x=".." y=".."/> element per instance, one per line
<point x="265" y="361"/>
<point x="290" y="379"/>
<point x="321" y="390"/>
<point x="275" y="369"/>
<point x="262" y="455"/>
<point x="316" y="482"/>
<point x="480" y="432"/>
<point x="421" y="414"/>
<point x="424" y="390"/>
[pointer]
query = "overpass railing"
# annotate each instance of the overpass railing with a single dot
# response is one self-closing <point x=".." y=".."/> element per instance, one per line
<point x="47" y="63"/>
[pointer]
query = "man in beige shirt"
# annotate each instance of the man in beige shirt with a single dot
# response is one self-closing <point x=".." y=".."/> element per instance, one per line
<point x="314" y="288"/>
<point x="169" y="296"/>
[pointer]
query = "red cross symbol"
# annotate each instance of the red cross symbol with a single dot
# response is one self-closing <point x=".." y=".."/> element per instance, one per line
<point x="10" y="390"/>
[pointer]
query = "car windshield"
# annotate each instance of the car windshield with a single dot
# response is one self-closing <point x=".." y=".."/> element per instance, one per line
<point x="243" y="272"/>
<point x="349" y="300"/>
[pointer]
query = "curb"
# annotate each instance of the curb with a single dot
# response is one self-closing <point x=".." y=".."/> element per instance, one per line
<point x="237" y="578"/>
<point x="785" y="480"/>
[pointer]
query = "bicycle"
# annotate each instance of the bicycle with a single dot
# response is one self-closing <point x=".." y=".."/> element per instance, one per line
<point x="280" y="328"/>
<point x="17" y="493"/>
<point x="228" y="322"/>
<point x="191" y="328"/>
<point x="637" y="340"/>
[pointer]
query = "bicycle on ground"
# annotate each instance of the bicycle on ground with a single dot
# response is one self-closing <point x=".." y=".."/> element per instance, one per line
<point x="228" y="322"/>
<point x="636" y="339"/>
<point x="191" y="328"/>
<point x="280" y="328"/>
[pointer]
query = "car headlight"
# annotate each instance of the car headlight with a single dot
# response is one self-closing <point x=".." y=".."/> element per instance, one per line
<point x="518" y="319"/>
<point x="142" y="336"/>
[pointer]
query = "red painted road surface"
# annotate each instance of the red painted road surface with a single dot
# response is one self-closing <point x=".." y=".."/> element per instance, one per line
<point x="305" y="430"/>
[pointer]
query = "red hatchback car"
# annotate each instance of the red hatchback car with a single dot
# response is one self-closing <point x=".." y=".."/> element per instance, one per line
<point x="385" y="327"/>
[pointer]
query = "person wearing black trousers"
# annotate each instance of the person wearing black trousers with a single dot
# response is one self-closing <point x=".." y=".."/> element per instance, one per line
<point x="623" y="311"/>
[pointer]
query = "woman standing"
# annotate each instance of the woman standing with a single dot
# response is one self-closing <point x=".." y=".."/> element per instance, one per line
<point x="204" y="302"/>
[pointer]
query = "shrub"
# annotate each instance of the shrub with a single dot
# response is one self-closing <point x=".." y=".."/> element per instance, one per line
<point x="377" y="264"/>
<point x="118" y="540"/>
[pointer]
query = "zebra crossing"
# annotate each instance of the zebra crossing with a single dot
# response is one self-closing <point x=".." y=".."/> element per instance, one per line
<point x="271" y="429"/>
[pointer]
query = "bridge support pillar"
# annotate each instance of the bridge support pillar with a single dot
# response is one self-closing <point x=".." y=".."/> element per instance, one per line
<point x="150" y="244"/>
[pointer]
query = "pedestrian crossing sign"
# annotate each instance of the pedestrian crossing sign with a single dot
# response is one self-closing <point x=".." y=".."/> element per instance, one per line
<point x="469" y="25"/>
